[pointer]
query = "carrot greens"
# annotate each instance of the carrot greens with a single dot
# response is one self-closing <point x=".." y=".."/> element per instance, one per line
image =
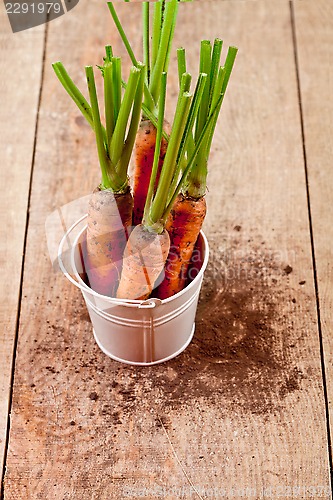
<point x="157" y="55"/>
<point x="115" y="141"/>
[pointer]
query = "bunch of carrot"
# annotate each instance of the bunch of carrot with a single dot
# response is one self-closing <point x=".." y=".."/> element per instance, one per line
<point x="170" y="162"/>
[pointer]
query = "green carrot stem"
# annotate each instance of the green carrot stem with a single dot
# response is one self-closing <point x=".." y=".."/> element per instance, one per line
<point x="185" y="83"/>
<point x="108" y="53"/>
<point x="203" y="153"/>
<point x="122" y="33"/>
<point x="172" y="32"/>
<point x="116" y="86"/>
<point x="156" y="33"/>
<point x="149" y="101"/>
<point x="108" y="101"/>
<point x="198" y="93"/>
<point x="160" y="200"/>
<point x="117" y="141"/>
<point x="108" y="173"/>
<point x="164" y="46"/>
<point x="73" y="91"/>
<point x="181" y="60"/>
<point x="159" y="132"/>
<point x="145" y="22"/>
<point x="212" y="129"/>
<point x="133" y="128"/>
<point x="218" y="86"/>
<point x="193" y="157"/>
<point x="205" y="67"/>
<point x="216" y="56"/>
<point x="229" y="63"/>
<point x="197" y="177"/>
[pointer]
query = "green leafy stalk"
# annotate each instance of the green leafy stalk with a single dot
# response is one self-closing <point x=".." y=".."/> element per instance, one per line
<point x="108" y="53"/>
<point x="122" y="166"/>
<point x="170" y="12"/>
<point x="108" y="171"/>
<point x="122" y="33"/>
<point x="229" y="63"/>
<point x="205" y="67"/>
<point x="187" y="136"/>
<point x="149" y="101"/>
<point x="108" y="101"/>
<point x="117" y="141"/>
<point x="160" y="200"/>
<point x="181" y="60"/>
<point x="159" y="132"/>
<point x="116" y="86"/>
<point x="190" y="163"/>
<point x="216" y="56"/>
<point x="73" y="91"/>
<point x="214" y="92"/>
<point x="156" y="33"/>
<point x="145" y="23"/>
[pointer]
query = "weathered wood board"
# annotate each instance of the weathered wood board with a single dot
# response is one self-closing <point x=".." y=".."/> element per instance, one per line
<point x="21" y="63"/>
<point x="242" y="409"/>
<point x="314" y="30"/>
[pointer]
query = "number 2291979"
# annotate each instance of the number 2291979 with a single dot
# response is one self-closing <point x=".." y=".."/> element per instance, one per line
<point x="33" y="8"/>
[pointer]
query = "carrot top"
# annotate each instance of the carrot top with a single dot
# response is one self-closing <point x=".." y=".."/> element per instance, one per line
<point x="213" y="95"/>
<point x="157" y="42"/>
<point x="115" y="141"/>
<point x="172" y="177"/>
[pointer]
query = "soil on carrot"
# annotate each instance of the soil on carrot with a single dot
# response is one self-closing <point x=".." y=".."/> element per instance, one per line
<point x="241" y="354"/>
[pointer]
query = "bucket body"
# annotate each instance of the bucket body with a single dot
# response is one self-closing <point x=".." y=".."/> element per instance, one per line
<point x="140" y="332"/>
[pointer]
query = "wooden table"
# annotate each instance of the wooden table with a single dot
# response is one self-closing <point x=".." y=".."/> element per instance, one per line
<point x="246" y="410"/>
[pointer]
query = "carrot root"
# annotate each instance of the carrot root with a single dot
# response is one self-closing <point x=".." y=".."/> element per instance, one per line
<point x="144" y="259"/>
<point x="184" y="225"/>
<point x="109" y="218"/>
<point x="143" y="162"/>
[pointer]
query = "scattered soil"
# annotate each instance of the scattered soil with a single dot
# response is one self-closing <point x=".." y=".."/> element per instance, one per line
<point x="240" y="356"/>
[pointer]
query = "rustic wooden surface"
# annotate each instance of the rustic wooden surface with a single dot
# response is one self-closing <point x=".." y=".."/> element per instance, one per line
<point x="21" y="63"/>
<point x="243" y="409"/>
<point x="315" y="36"/>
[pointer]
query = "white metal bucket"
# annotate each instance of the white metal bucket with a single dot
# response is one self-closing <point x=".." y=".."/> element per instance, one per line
<point x="136" y="332"/>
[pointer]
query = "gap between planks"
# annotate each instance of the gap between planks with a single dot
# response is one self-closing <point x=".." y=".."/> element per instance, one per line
<point x="15" y="340"/>
<point x="313" y="253"/>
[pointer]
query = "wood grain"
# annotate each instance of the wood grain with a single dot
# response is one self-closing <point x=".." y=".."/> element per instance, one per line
<point x="314" y="30"/>
<point x="242" y="409"/>
<point x="21" y="64"/>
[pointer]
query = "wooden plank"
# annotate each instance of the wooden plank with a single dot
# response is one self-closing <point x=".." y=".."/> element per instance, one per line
<point x="242" y="409"/>
<point x="21" y="63"/>
<point x="314" y="30"/>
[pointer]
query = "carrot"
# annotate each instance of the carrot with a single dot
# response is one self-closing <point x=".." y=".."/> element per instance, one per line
<point x="148" y="244"/>
<point x="111" y="204"/>
<point x="140" y="260"/>
<point x="144" y="149"/>
<point x="108" y="223"/>
<point x="144" y="259"/>
<point x="189" y="209"/>
<point x="183" y="225"/>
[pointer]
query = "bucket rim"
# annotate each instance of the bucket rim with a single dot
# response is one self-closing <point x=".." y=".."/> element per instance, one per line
<point x="148" y="303"/>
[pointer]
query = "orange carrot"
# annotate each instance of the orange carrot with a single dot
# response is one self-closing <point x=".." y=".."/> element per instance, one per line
<point x="143" y="163"/>
<point x="109" y="218"/>
<point x="184" y="224"/>
<point x="111" y="204"/>
<point x="144" y="259"/>
<point x="149" y="243"/>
